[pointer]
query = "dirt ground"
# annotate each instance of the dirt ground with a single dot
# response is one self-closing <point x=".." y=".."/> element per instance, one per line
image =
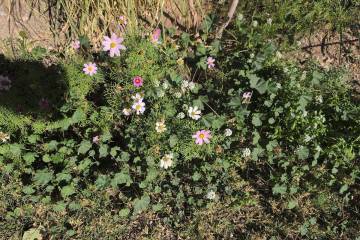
<point x="34" y="23"/>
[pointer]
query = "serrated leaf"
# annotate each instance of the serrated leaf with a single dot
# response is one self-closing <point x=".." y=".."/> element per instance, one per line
<point x="141" y="204"/>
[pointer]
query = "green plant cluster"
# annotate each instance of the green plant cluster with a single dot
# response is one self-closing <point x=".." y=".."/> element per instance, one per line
<point x="283" y="163"/>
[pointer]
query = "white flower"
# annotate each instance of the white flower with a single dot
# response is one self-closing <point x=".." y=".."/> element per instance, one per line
<point x="307" y="138"/>
<point x="5" y="83"/>
<point x="160" y="93"/>
<point x="165" y="85"/>
<point x="246" y="152"/>
<point x="228" y="132"/>
<point x="4" y="137"/>
<point x="194" y="112"/>
<point x="269" y="21"/>
<point x="211" y="195"/>
<point x="278" y="85"/>
<point x="160" y="126"/>
<point x="126" y="111"/>
<point x="240" y="17"/>
<point x="319" y="99"/>
<point x="181" y="115"/>
<point x="166" y="161"/>
<point x="156" y="83"/>
<point x="252" y="55"/>
<point x="191" y="85"/>
<point x="255" y="23"/>
<point x="137" y="97"/>
<point x="185" y="84"/>
<point x="177" y="94"/>
<point x="139" y="107"/>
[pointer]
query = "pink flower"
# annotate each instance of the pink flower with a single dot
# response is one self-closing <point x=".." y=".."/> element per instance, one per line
<point x="44" y="104"/>
<point x="90" y="68"/>
<point x="122" y="20"/>
<point x="202" y="136"/>
<point x="247" y="97"/>
<point x="96" y="139"/>
<point x="75" y="44"/>
<point x="138" y="81"/>
<point x="155" y="36"/>
<point x="210" y="61"/>
<point x="113" y="45"/>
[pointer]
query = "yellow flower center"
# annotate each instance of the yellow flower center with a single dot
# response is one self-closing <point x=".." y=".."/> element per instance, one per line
<point x="138" y="107"/>
<point x="90" y="68"/>
<point x="201" y="135"/>
<point x="112" y="45"/>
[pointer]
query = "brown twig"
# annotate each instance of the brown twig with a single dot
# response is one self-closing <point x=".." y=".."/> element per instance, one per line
<point x="230" y="16"/>
<point x="329" y="44"/>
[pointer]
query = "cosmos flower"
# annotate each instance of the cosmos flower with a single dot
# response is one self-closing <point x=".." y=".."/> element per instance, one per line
<point x="4" y="137"/>
<point x="113" y="45"/>
<point x="194" y="112"/>
<point x="139" y="107"/>
<point x="247" y="97"/>
<point x="90" y="68"/>
<point x="126" y="111"/>
<point x="138" y="81"/>
<point x="5" y="83"/>
<point x="155" y="36"/>
<point x="138" y="97"/>
<point x="228" y="132"/>
<point x="210" y="61"/>
<point x="96" y="139"/>
<point x="75" y="44"/>
<point x="246" y="152"/>
<point x="166" y="161"/>
<point x="202" y="136"/>
<point x="123" y="20"/>
<point x="160" y="126"/>
<point x="211" y="195"/>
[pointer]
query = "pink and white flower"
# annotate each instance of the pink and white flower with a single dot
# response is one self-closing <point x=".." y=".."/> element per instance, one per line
<point x="155" y="36"/>
<point x="96" y="139"/>
<point x="246" y="97"/>
<point x="90" y="68"/>
<point x="138" y="81"/>
<point x="123" y="20"/>
<point x="113" y="45"/>
<point x="194" y="113"/>
<point x="75" y="44"/>
<point x="210" y="61"/>
<point x="126" y="111"/>
<point x="202" y="136"/>
<point x="166" y="161"/>
<point x="139" y="107"/>
<point x="138" y="97"/>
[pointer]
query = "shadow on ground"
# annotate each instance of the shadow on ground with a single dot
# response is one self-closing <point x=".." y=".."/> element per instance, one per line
<point x="27" y="87"/>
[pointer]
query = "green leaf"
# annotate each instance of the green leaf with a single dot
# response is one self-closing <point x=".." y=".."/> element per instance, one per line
<point x="42" y="177"/>
<point x="103" y="151"/>
<point x="256" y="121"/>
<point x="141" y="204"/>
<point x="67" y="191"/>
<point x="173" y="140"/>
<point x="292" y="204"/>
<point x="344" y="188"/>
<point x="85" y="146"/>
<point x="29" y="158"/>
<point x="121" y="178"/>
<point x="32" y="234"/>
<point x="124" y="212"/>
<point x="258" y="84"/>
<point x="303" y="153"/>
<point x="279" y="189"/>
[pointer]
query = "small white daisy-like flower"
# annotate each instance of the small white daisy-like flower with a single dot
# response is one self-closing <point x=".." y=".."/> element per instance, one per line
<point x="319" y="99"/>
<point x="307" y="138"/>
<point x="194" y="112"/>
<point x="126" y="111"/>
<point x="211" y="195"/>
<point x="269" y="21"/>
<point x="5" y="83"/>
<point x="160" y="126"/>
<point x="165" y="85"/>
<point x="139" y="107"/>
<point x="181" y="115"/>
<point x="228" y="132"/>
<point x="4" y="137"/>
<point x="137" y="97"/>
<point x="246" y="152"/>
<point x="166" y="161"/>
<point x="255" y="23"/>
<point x="191" y="85"/>
<point x="177" y="94"/>
<point x="160" y="93"/>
